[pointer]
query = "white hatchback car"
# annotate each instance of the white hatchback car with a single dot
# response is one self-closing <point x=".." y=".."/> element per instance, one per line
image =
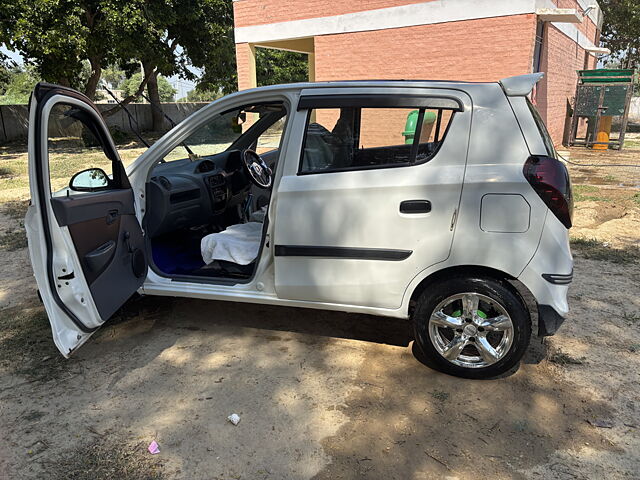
<point x="440" y="202"/>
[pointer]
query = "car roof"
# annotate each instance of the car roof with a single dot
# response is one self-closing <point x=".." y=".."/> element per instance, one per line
<point x="520" y="85"/>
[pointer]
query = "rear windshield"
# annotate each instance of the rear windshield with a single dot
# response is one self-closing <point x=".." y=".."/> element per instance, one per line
<point x="546" y="138"/>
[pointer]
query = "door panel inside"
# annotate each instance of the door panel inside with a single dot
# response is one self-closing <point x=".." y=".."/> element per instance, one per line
<point x="109" y="244"/>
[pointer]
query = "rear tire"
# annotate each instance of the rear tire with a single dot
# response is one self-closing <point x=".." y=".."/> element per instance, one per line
<point x="472" y="327"/>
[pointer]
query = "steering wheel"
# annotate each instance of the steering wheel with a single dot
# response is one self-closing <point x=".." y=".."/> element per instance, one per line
<point x="259" y="172"/>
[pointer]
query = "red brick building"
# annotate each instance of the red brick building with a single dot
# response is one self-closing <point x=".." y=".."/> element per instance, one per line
<point x="474" y="40"/>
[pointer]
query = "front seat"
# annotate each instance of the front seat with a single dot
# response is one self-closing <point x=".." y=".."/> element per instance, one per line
<point x="238" y="244"/>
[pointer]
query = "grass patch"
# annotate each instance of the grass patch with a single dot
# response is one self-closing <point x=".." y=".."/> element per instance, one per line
<point x="16" y="239"/>
<point x="561" y="358"/>
<point x="520" y="426"/>
<point x="583" y="193"/>
<point x="440" y="395"/>
<point x="13" y="240"/>
<point x="631" y="318"/>
<point x="107" y="457"/>
<point x="26" y="346"/>
<point x="597" y="250"/>
<point x="66" y="157"/>
<point x="16" y="209"/>
<point x="636" y="199"/>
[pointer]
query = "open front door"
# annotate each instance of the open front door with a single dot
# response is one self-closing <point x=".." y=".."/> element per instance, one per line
<point x="85" y="242"/>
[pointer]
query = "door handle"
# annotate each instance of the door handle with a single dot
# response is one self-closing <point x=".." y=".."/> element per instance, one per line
<point x="112" y="216"/>
<point x="415" y="206"/>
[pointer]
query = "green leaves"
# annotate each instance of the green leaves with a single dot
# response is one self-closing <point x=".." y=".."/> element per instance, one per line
<point x="621" y="31"/>
<point x="72" y="42"/>
<point x="279" y="66"/>
<point x="56" y="36"/>
<point x="130" y="85"/>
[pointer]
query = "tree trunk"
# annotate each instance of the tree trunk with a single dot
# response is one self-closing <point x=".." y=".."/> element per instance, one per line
<point x="157" y="117"/>
<point x="94" y="78"/>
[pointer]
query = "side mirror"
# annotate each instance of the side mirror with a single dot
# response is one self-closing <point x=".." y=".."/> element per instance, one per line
<point x="90" y="180"/>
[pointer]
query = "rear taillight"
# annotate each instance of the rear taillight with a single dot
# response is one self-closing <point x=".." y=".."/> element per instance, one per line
<point x="550" y="179"/>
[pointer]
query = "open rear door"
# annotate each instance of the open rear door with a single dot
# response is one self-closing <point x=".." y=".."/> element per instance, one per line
<point x="85" y="242"/>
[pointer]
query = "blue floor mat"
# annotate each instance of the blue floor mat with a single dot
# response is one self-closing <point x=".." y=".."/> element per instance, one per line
<point x="177" y="256"/>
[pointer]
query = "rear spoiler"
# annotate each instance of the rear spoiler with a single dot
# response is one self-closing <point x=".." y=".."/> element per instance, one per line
<point x="521" y="85"/>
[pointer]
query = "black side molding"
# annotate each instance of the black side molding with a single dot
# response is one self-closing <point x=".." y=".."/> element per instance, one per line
<point x="342" y="252"/>
<point x="558" y="279"/>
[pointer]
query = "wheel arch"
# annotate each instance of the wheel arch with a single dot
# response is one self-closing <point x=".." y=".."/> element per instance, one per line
<point x="519" y="288"/>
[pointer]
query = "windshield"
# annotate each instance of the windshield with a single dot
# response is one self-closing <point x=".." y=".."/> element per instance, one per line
<point x="227" y="130"/>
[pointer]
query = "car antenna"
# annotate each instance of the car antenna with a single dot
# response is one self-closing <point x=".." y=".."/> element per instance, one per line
<point x="131" y="119"/>
<point x="192" y="155"/>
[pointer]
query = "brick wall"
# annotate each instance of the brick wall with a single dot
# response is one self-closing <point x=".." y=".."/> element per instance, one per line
<point x="244" y="66"/>
<point x="260" y="12"/>
<point x="561" y="58"/>
<point x="476" y="50"/>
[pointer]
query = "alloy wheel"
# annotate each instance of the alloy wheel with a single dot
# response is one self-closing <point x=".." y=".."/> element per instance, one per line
<point x="471" y="330"/>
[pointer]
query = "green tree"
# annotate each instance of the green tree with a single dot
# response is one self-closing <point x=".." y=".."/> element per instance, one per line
<point x="170" y="37"/>
<point x="166" y="91"/>
<point x="199" y="95"/>
<point x="5" y="76"/>
<point x="56" y="36"/>
<point x="113" y="75"/>
<point x="621" y="31"/>
<point x="279" y="66"/>
<point x="19" y="85"/>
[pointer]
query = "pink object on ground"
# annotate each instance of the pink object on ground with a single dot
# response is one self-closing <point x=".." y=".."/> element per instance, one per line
<point x="153" y="448"/>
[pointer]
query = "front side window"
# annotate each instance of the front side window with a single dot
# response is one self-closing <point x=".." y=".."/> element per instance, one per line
<point x="74" y="147"/>
<point x="356" y="138"/>
<point x="252" y="126"/>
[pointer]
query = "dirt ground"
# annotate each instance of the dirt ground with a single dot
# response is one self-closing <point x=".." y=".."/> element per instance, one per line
<point x="325" y="395"/>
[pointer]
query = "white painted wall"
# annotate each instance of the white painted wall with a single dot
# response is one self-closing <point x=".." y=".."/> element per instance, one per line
<point x="428" y="13"/>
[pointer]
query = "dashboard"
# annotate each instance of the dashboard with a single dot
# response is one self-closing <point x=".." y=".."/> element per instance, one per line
<point x="185" y="193"/>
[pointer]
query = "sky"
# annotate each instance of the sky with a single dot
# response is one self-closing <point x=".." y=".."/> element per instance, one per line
<point x="181" y="85"/>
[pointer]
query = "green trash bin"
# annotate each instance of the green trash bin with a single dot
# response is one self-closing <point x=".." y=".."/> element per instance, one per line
<point x="412" y="122"/>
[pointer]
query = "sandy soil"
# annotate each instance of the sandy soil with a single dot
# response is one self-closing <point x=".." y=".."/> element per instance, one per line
<point x="326" y="395"/>
<point x="322" y="395"/>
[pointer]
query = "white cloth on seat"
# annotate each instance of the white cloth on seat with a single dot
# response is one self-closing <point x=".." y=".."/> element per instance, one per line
<point x="238" y="244"/>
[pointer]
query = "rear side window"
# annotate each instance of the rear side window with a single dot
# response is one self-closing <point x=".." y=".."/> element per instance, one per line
<point x="546" y="138"/>
<point x="358" y="138"/>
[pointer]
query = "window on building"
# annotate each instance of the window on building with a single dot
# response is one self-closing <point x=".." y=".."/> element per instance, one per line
<point x="357" y="138"/>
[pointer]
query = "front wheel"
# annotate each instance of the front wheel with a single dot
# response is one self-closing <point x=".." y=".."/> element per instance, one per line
<point x="472" y="327"/>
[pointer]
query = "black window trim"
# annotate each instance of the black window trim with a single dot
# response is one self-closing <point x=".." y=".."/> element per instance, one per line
<point x="368" y="100"/>
<point x="542" y="129"/>
<point x="411" y="161"/>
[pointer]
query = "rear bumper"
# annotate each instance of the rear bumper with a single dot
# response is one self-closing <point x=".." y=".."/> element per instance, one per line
<point x="548" y="321"/>
<point x="548" y="275"/>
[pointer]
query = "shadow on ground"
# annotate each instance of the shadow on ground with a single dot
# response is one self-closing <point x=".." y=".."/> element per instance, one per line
<point x="321" y="394"/>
